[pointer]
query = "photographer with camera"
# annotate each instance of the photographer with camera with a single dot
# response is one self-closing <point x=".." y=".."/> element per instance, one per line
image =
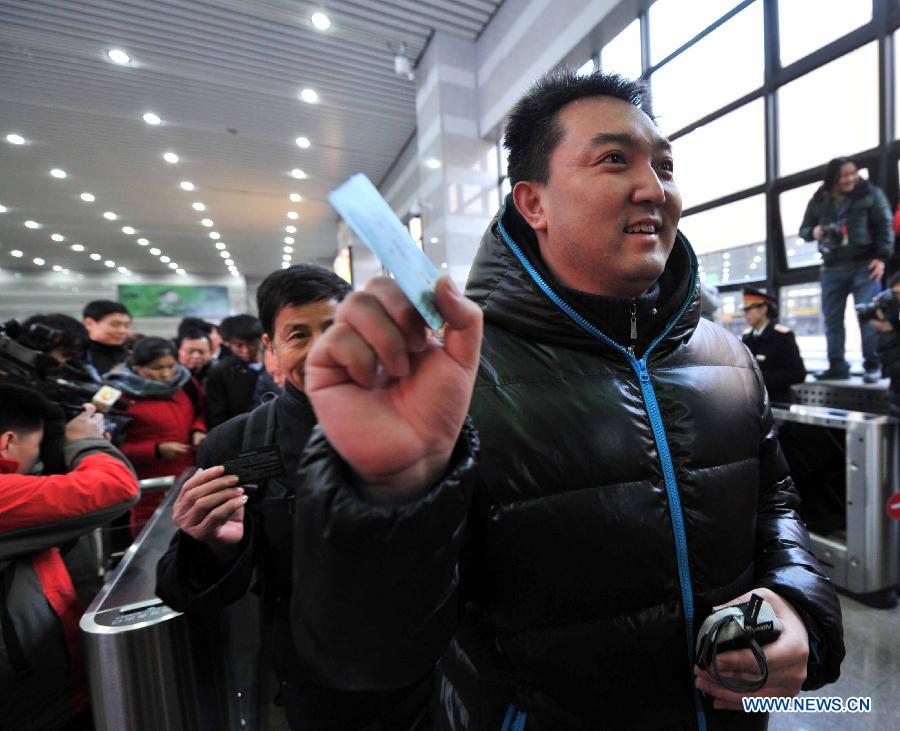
<point x="850" y="219"/>
<point x="42" y="683"/>
<point x="883" y="315"/>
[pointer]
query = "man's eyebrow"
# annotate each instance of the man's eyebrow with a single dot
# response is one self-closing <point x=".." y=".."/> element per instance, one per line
<point x="625" y="139"/>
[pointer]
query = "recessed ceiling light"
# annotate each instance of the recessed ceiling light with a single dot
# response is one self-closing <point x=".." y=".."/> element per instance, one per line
<point x="288" y="249"/>
<point x="293" y="215"/>
<point x="285" y="264"/>
<point x="320" y="21"/>
<point x="122" y="270"/>
<point x="143" y="242"/>
<point x="186" y="185"/>
<point x="109" y="216"/>
<point x="96" y="257"/>
<point x="170" y="157"/>
<point x="299" y="174"/>
<point x="214" y="235"/>
<point x="152" y="119"/>
<point x="224" y="254"/>
<point x="229" y="262"/>
<point x="110" y="263"/>
<point x="60" y="174"/>
<point x="180" y="272"/>
<point x="289" y="239"/>
<point x="57" y="237"/>
<point x="295" y="197"/>
<point x="32" y="224"/>
<point x="3" y="209"/>
<point x="434" y="240"/>
<point x="155" y="251"/>
<point x="118" y="56"/>
<point x="286" y="257"/>
<point x="15" y="139"/>
<point x="310" y="96"/>
<point x="433" y="163"/>
<point x="165" y="259"/>
<point x="40" y="262"/>
<point x="76" y="247"/>
<point x="16" y="253"/>
<point x="173" y="265"/>
<point x="303" y="142"/>
<point x="88" y="197"/>
<point x="443" y="265"/>
<point x="57" y="268"/>
<point x="220" y="245"/>
<point x="208" y="222"/>
<point x="198" y="206"/>
<point x="290" y="229"/>
<point x="127" y="230"/>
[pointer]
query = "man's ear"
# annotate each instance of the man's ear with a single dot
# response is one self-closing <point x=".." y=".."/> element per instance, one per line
<point x="6" y="439"/>
<point x="529" y="201"/>
<point x="267" y="342"/>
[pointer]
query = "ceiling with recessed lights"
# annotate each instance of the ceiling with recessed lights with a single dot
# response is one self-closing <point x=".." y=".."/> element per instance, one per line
<point x="199" y="136"/>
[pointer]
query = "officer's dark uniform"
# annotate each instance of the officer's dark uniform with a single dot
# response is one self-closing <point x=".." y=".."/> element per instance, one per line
<point x="778" y="356"/>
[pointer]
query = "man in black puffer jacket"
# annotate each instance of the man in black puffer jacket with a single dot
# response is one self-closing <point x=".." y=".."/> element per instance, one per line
<point x="628" y="478"/>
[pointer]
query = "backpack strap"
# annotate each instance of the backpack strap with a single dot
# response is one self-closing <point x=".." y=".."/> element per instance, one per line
<point x="259" y="429"/>
<point x="16" y="656"/>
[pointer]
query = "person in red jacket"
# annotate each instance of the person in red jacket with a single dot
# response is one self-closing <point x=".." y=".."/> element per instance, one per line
<point x="42" y="680"/>
<point x="167" y="422"/>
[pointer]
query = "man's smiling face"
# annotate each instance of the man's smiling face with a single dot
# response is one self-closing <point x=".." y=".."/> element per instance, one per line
<point x="606" y="217"/>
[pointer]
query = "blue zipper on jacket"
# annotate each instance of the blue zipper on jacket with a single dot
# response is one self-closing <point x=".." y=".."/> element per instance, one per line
<point x="659" y="435"/>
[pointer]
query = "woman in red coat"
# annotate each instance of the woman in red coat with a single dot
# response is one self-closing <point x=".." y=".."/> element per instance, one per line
<point x="167" y="417"/>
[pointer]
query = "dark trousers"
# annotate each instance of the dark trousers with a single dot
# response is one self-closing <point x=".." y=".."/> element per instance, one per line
<point x="837" y="285"/>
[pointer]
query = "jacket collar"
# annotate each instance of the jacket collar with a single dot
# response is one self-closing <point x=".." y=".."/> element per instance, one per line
<point x="517" y="292"/>
<point x="8" y="466"/>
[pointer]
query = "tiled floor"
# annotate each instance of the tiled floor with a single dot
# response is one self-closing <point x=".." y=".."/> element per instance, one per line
<point x="871" y="668"/>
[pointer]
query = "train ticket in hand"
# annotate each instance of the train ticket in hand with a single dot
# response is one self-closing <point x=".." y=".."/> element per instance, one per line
<point x="371" y="218"/>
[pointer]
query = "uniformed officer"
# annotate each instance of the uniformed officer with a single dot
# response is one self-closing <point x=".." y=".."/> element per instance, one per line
<point x="773" y="345"/>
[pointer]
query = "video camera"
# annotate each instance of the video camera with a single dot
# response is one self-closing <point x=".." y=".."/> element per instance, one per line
<point x="833" y="235"/>
<point x="886" y="301"/>
<point x="25" y="361"/>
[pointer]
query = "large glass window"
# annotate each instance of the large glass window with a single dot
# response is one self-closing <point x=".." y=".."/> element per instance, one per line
<point x="723" y="156"/>
<point x="623" y="53"/>
<point x="732" y="312"/>
<point x="672" y="24"/>
<point x="806" y="25"/>
<point x="722" y="67"/>
<point x="829" y="112"/>
<point x="730" y="241"/>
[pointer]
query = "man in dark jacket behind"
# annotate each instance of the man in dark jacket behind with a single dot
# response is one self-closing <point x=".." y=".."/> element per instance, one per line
<point x="231" y="382"/>
<point x="107" y="323"/>
<point x="202" y="572"/>
<point x="628" y="480"/>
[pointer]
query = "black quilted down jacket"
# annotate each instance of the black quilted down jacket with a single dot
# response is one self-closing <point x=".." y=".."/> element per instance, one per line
<point x="562" y="577"/>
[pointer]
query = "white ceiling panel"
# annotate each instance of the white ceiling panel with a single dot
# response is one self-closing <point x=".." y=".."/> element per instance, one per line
<point x="224" y="76"/>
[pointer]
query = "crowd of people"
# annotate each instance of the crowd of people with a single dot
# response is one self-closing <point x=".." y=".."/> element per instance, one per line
<point x="510" y="524"/>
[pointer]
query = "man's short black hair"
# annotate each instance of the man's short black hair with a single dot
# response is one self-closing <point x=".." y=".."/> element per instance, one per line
<point x="191" y="335"/>
<point x="21" y="409"/>
<point x="240" y="327"/>
<point x="74" y="336"/>
<point x="194" y="324"/>
<point x="294" y="286"/>
<point x="533" y="130"/>
<point x="98" y="309"/>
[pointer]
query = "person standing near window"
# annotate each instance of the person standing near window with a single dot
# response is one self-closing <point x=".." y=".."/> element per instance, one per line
<point x="850" y="219"/>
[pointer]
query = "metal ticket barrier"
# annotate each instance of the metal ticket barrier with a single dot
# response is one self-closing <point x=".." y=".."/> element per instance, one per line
<point x="150" y="667"/>
<point x="846" y="465"/>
